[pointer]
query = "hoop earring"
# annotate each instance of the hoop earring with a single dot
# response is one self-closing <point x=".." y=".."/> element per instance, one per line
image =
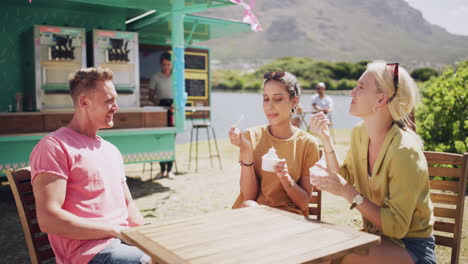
<point x="375" y="109"/>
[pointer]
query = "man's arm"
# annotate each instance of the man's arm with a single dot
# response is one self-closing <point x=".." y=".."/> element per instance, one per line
<point x="49" y="192"/>
<point x="153" y="97"/>
<point x="316" y="107"/>
<point x="152" y="91"/>
<point x="134" y="216"/>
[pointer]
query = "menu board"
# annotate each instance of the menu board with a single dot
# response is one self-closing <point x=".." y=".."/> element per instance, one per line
<point x="195" y="88"/>
<point x="195" y="62"/>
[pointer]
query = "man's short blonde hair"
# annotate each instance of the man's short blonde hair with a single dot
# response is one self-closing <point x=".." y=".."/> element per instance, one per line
<point x="85" y="80"/>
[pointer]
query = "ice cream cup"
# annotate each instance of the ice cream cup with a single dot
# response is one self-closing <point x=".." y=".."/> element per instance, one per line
<point x="316" y="171"/>
<point x="268" y="164"/>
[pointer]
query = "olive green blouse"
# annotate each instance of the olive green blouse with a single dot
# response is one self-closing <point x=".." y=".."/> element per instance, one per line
<point x="399" y="183"/>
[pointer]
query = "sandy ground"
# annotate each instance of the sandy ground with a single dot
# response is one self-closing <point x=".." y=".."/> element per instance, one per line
<point x="189" y="194"/>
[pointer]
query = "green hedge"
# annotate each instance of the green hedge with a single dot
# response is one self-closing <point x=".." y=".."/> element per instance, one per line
<point x="337" y="76"/>
<point x="424" y="74"/>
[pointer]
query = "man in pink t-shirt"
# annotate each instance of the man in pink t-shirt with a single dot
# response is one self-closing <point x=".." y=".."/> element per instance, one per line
<point x="82" y="198"/>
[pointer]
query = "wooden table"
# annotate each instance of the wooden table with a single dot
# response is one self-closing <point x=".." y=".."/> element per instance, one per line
<point x="248" y="235"/>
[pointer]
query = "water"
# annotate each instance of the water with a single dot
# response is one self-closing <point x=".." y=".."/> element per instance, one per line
<point x="228" y="107"/>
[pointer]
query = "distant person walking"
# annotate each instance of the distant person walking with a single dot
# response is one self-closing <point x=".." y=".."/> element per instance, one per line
<point x="322" y="102"/>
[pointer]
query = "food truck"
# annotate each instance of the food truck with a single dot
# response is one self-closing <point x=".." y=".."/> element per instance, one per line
<point x="44" y="41"/>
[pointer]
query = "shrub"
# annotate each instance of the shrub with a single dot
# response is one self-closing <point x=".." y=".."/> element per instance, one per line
<point x="227" y="80"/>
<point x="346" y="84"/>
<point x="342" y="70"/>
<point x="250" y="82"/>
<point x="424" y="74"/>
<point x="359" y="69"/>
<point x="306" y="84"/>
<point x="442" y="118"/>
<point x="336" y="75"/>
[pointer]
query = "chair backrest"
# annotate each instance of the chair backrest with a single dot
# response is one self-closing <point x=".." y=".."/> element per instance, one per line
<point x="38" y="243"/>
<point x="315" y="205"/>
<point x="448" y="173"/>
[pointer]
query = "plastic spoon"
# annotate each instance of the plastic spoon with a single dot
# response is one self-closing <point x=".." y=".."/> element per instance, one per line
<point x="238" y="121"/>
<point x="237" y="130"/>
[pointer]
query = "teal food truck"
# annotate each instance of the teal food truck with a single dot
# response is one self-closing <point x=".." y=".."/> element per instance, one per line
<point x="44" y="41"/>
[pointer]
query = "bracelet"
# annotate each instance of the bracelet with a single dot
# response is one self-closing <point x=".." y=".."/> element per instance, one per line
<point x="247" y="165"/>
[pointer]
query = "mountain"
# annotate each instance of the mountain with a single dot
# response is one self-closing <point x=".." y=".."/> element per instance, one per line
<point x="340" y="30"/>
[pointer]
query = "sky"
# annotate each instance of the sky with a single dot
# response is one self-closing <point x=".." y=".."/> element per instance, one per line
<point x="449" y="14"/>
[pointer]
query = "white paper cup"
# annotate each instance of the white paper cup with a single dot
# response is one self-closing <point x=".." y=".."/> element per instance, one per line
<point x="269" y="164"/>
<point x="316" y="171"/>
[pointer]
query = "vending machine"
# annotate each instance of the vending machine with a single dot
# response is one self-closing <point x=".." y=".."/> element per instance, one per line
<point x="58" y="52"/>
<point x="118" y="51"/>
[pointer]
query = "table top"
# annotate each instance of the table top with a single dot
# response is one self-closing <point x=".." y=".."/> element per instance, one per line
<point x="249" y="235"/>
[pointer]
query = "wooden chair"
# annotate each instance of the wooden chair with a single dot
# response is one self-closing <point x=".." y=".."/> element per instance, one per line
<point x="38" y="243"/>
<point x="448" y="197"/>
<point x="315" y="205"/>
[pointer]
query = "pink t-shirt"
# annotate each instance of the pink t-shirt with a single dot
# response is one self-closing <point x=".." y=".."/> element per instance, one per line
<point x="95" y="173"/>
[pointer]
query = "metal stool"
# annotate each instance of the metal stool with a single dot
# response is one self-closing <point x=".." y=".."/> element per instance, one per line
<point x="208" y="126"/>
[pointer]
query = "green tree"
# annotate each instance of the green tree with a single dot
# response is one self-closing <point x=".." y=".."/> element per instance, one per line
<point x="442" y="118"/>
<point x="424" y="74"/>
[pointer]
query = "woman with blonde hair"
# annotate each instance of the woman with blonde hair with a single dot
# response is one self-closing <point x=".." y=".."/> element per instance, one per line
<point x="288" y="187"/>
<point x="385" y="174"/>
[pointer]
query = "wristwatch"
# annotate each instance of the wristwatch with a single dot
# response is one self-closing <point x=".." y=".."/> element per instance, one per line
<point x="357" y="200"/>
